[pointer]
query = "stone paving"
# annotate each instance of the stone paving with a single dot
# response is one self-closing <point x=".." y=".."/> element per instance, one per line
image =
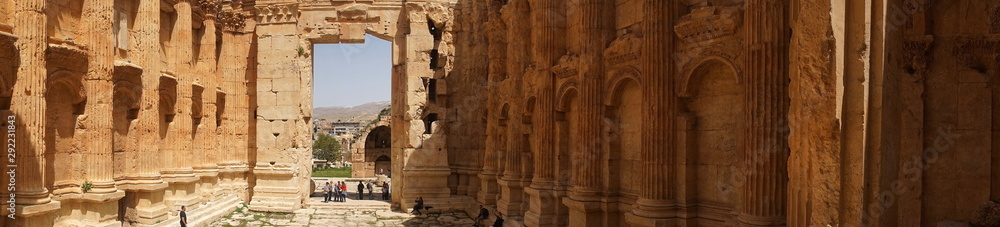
<point x="351" y="213"/>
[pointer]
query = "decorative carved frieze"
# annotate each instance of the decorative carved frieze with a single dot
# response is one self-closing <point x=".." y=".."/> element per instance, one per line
<point x="277" y="13"/>
<point x="915" y="56"/>
<point x="567" y="66"/>
<point x="625" y="49"/>
<point x="977" y="51"/>
<point x="710" y="22"/>
<point x="353" y="13"/>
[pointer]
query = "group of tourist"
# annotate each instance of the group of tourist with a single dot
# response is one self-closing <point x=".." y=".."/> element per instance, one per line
<point x="337" y="192"/>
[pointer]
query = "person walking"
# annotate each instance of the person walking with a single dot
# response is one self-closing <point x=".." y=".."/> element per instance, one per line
<point x="361" y="190"/>
<point x="385" y="190"/>
<point x="184" y="217"/>
<point x="326" y="192"/>
<point x="370" y="188"/>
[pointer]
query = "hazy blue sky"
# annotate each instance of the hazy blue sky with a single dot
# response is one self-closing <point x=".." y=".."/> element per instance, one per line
<point x="352" y="74"/>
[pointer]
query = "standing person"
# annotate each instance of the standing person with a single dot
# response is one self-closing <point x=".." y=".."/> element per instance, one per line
<point x="385" y="190"/>
<point x="326" y="192"/>
<point x="184" y="217"/>
<point x="343" y="191"/>
<point x="336" y="192"/>
<point x="370" y="188"/>
<point x="361" y="190"/>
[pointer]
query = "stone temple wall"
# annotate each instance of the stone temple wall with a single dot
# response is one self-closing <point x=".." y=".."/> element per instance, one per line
<point x="551" y="113"/>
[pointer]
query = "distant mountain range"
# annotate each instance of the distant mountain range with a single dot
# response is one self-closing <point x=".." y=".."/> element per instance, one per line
<point x="363" y="112"/>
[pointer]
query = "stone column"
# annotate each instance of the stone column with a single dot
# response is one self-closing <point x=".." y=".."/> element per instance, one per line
<point x="232" y="69"/>
<point x="100" y="94"/>
<point x="516" y="14"/>
<point x="28" y="108"/>
<point x="497" y="36"/>
<point x="180" y="173"/>
<point x="208" y="169"/>
<point x="659" y="132"/>
<point x="766" y="138"/>
<point x="148" y="199"/>
<point x="593" y="35"/>
<point x="548" y="20"/>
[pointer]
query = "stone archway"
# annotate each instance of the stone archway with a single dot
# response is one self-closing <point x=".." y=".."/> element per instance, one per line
<point x="286" y="33"/>
<point x="376" y="144"/>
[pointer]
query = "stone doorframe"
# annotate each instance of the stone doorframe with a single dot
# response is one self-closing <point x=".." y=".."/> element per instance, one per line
<point x="285" y="35"/>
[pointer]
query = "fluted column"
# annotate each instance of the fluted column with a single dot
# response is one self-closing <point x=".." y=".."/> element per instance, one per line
<point x="99" y="88"/>
<point x="766" y="140"/>
<point x="548" y="36"/>
<point x="516" y="14"/>
<point x="147" y="55"/>
<point x="181" y="129"/>
<point x="594" y="35"/>
<point x="233" y="132"/>
<point x="28" y="108"/>
<point x="660" y="98"/>
<point x="495" y="33"/>
<point x="207" y="77"/>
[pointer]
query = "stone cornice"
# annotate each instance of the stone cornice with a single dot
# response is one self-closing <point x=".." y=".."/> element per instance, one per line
<point x="625" y="49"/>
<point x="708" y="23"/>
<point x="67" y="55"/>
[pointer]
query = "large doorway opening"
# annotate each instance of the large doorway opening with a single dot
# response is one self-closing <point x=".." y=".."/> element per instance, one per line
<point x="351" y="98"/>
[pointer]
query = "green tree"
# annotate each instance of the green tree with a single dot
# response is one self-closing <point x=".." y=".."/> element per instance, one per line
<point x="326" y="148"/>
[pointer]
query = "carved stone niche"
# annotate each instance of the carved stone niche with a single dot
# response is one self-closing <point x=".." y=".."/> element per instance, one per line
<point x="128" y="79"/>
<point x="624" y="50"/>
<point x="709" y="23"/>
<point x="567" y="66"/>
<point x="168" y="95"/>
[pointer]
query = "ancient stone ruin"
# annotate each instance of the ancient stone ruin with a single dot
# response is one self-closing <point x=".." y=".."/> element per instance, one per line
<point x="553" y="113"/>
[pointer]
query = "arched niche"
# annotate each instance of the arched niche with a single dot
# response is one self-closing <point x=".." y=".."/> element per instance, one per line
<point x="623" y="129"/>
<point x="65" y="99"/>
<point x="714" y="102"/>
